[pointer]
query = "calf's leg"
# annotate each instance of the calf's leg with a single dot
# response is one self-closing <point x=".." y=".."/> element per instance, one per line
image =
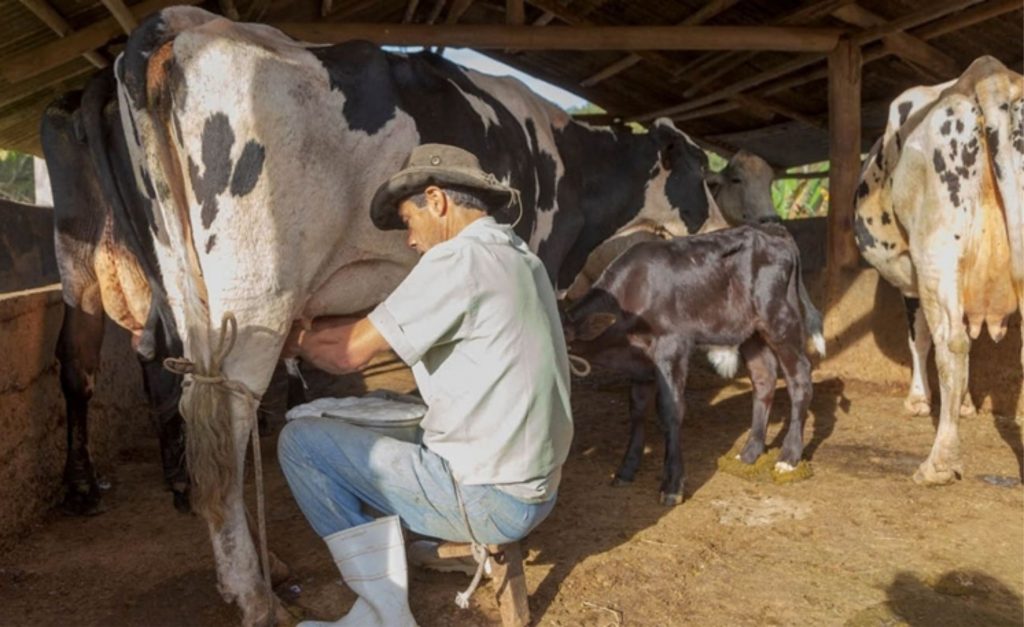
<point x="797" y="370"/>
<point x="639" y="400"/>
<point x="671" y="361"/>
<point x="763" y="375"/>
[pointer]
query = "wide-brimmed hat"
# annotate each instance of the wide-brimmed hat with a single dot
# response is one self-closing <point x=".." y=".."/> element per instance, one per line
<point x="444" y="166"/>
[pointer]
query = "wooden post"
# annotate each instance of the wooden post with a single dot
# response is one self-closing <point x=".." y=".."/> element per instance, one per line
<point x="844" y="65"/>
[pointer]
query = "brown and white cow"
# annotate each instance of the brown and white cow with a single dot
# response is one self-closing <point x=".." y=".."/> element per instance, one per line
<point x="939" y="215"/>
<point x="261" y="154"/>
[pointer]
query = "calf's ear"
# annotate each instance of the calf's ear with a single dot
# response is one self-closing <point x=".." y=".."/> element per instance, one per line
<point x="594" y="325"/>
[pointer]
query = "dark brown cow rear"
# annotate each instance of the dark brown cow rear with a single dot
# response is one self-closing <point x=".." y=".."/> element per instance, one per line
<point x="659" y="300"/>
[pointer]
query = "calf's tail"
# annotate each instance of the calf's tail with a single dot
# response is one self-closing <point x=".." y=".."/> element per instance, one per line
<point x="812" y="317"/>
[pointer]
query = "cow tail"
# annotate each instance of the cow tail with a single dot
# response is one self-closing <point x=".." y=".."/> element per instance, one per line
<point x="812" y="317"/>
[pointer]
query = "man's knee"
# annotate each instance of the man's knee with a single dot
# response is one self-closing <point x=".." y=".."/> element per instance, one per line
<point x="294" y="441"/>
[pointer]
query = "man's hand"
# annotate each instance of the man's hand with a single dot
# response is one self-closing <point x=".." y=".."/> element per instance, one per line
<point x="335" y="344"/>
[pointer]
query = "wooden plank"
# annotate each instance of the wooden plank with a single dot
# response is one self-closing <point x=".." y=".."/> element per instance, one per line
<point x="458" y="8"/>
<point x="121" y="13"/>
<point x="702" y="65"/>
<point x="410" y="11"/>
<point x="37" y="61"/>
<point x="55" y="81"/>
<point x="926" y="14"/>
<point x="923" y="16"/>
<point x="514" y="13"/>
<point x="844" y="82"/>
<point x="435" y="12"/>
<point x="928" y="32"/>
<point x="973" y="16"/>
<point x="779" y="109"/>
<point x="705" y="13"/>
<point x="907" y="47"/>
<point x="491" y="36"/>
<point x="49" y="16"/>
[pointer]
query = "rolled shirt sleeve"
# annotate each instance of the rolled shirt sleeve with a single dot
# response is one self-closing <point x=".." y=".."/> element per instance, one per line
<point x="432" y="305"/>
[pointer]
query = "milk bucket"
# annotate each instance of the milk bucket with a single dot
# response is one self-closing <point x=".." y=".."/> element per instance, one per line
<point x="394" y="415"/>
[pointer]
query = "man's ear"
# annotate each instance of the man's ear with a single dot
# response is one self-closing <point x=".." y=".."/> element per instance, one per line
<point x="595" y="324"/>
<point x="437" y="200"/>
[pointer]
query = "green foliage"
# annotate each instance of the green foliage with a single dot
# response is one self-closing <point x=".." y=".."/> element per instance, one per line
<point x="802" y="198"/>
<point x="17" y="181"/>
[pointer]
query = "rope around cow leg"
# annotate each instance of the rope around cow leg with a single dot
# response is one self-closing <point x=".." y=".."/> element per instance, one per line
<point x="214" y="378"/>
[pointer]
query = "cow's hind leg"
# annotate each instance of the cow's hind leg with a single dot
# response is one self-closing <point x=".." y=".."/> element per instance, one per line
<point x="797" y="369"/>
<point x="164" y="391"/>
<point x="671" y="360"/>
<point x="639" y="400"/>
<point x="78" y="351"/>
<point x="919" y="399"/>
<point x="952" y="345"/>
<point x="763" y="375"/>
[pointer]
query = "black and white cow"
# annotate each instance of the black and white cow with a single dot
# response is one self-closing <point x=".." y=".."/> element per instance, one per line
<point x="939" y="215"/>
<point x="261" y="154"/>
<point x="103" y="267"/>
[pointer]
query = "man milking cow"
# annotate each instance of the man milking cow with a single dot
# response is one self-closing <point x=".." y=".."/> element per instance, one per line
<point x="477" y="321"/>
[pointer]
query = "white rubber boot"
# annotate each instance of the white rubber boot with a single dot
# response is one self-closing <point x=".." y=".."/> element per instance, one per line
<point x="371" y="559"/>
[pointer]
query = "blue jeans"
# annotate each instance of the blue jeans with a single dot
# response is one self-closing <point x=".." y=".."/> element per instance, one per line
<point x="333" y="468"/>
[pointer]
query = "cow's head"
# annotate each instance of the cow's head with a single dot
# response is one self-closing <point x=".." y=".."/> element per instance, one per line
<point x="743" y="189"/>
<point x="596" y="324"/>
<point x="675" y="195"/>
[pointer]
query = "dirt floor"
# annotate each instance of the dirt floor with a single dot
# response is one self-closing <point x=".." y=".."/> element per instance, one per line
<point x="857" y="544"/>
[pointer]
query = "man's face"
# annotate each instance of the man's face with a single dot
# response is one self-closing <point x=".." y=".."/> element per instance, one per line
<point x="426" y="224"/>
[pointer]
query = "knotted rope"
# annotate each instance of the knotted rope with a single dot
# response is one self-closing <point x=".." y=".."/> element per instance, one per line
<point x="480" y="553"/>
<point x="579" y="366"/>
<point x="213" y="380"/>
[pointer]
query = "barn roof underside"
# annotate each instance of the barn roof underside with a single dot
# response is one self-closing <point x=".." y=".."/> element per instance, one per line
<point x="781" y="112"/>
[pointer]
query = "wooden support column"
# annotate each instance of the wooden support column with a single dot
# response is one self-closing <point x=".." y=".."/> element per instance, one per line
<point x="844" y="80"/>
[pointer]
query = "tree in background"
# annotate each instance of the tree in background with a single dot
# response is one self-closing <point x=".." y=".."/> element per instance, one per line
<point x="17" y="182"/>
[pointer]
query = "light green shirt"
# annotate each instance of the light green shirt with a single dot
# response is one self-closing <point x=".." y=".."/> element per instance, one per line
<point x="477" y="321"/>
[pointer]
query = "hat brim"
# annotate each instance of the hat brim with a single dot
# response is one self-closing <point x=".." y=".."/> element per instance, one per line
<point x="384" y="206"/>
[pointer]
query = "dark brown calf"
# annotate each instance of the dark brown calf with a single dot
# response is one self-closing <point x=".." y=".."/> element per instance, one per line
<point x="659" y="300"/>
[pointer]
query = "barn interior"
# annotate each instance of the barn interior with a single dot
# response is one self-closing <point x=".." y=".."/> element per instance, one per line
<point x="793" y="81"/>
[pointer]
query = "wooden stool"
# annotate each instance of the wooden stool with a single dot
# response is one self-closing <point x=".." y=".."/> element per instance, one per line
<point x="507" y="578"/>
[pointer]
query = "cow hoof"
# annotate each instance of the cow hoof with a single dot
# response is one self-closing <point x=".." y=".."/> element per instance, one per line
<point x="671" y="499"/>
<point x="967" y="407"/>
<point x="784" y="467"/>
<point x="929" y="474"/>
<point x="751" y="453"/>
<point x="917" y="406"/>
<point x="82" y="503"/>
<point x="619" y="482"/>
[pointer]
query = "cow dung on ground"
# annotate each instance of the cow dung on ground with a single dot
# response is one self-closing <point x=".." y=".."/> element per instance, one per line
<point x="763" y="469"/>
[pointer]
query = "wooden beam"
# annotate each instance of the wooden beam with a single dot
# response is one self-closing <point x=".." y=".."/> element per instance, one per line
<point x="514" y="13"/>
<point x="938" y="28"/>
<point x="410" y="11"/>
<point x="809" y="13"/>
<point x="38" y="60"/>
<point x="803" y="61"/>
<point x="456" y="11"/>
<point x="435" y="12"/>
<point x="928" y="14"/>
<point x="907" y="47"/>
<point x="545" y="18"/>
<point x="844" y="81"/>
<point x="705" y="13"/>
<point x="745" y="100"/>
<point x="968" y="18"/>
<point x="57" y="80"/>
<point x="492" y="36"/>
<point x="730" y="61"/>
<point x="121" y="13"/>
<point x="49" y="16"/>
